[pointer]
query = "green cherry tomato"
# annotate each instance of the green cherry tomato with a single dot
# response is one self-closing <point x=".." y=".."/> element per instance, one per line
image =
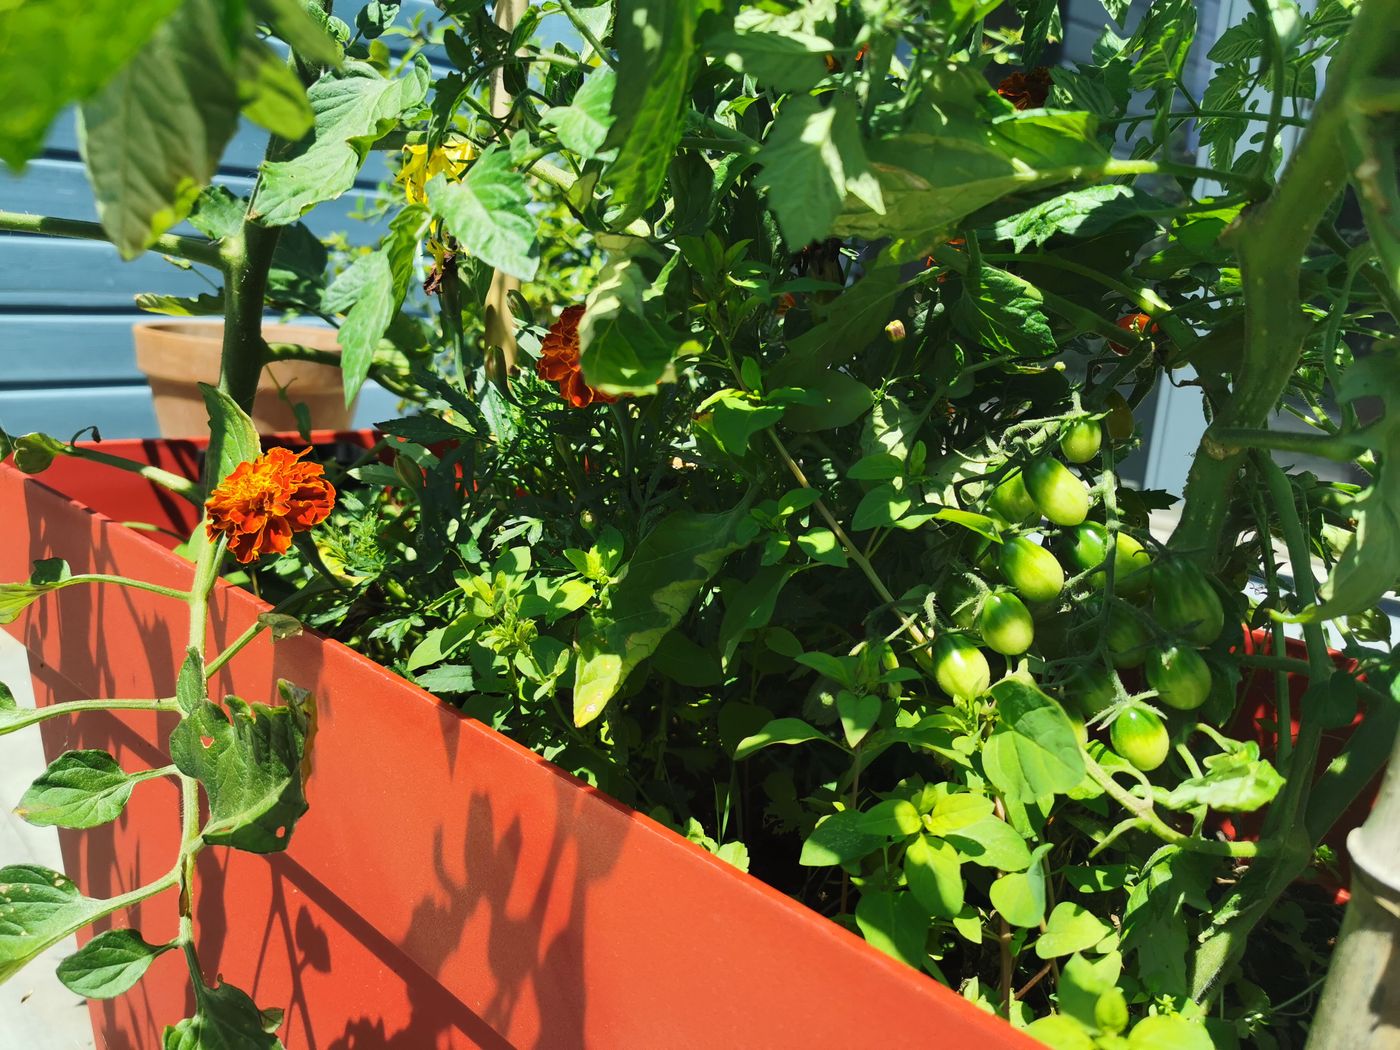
<point x="1011" y="500"/>
<point x="1031" y="569"/>
<point x="1005" y="624"/>
<point x="1139" y="736"/>
<point x="959" y="667"/>
<point x="1060" y="496"/>
<point x="1119" y="421"/>
<point x="1087" y="546"/>
<point x="1091" y="689"/>
<point x="1126" y="640"/>
<point x="1081" y="440"/>
<point x="1185" y="603"/>
<point x="1180" y="675"/>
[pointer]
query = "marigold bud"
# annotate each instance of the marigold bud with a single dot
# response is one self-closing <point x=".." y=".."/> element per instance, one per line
<point x="895" y="331"/>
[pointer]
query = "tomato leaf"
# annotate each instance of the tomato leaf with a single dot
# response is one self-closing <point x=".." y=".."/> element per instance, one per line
<point x="1033" y="753"/>
<point x="109" y="964"/>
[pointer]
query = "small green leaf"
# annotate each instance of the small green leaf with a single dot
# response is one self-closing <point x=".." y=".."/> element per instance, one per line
<point x="191" y="686"/>
<point x="934" y="873"/>
<point x="1083" y="983"/>
<point x="894" y="818"/>
<point x="859" y="712"/>
<point x="840" y="838"/>
<point x="991" y="843"/>
<point x="250" y="763"/>
<point x="649" y="598"/>
<point x="1238" y="782"/>
<point x="38" y="908"/>
<point x="957" y="811"/>
<point x="1020" y="897"/>
<point x="1061" y="1032"/>
<point x="822" y="546"/>
<point x="109" y="964"/>
<point x="233" y="439"/>
<point x="488" y="212"/>
<point x="80" y="789"/>
<point x="1071" y="928"/>
<point x="779" y="731"/>
<point x="1169" y="1032"/>
<point x="49" y="574"/>
<point x="895" y="923"/>
<point x="1006" y="315"/>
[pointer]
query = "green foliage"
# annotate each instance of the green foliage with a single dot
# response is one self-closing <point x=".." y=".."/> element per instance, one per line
<point x="80" y="789"/>
<point x="38" y="908"/>
<point x="109" y="964"/>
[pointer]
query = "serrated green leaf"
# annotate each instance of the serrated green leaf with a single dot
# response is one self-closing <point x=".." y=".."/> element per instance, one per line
<point x="650" y="596"/>
<point x="1033" y="753"/>
<point x="249" y="761"/>
<point x="787" y="60"/>
<point x="1239" y="782"/>
<point x="304" y="27"/>
<point x="225" y="1019"/>
<point x="38" y="908"/>
<point x="109" y="964"/>
<point x="812" y="159"/>
<point x="55" y="54"/>
<point x="353" y="108"/>
<point x="79" y="789"/>
<point x="1079" y="213"/>
<point x="655" y="41"/>
<point x="233" y="439"/>
<point x="487" y="211"/>
<point x="583" y="125"/>
<point x="1005" y="314"/>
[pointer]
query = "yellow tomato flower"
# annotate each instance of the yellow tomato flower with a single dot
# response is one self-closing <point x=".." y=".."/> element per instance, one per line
<point x="419" y="167"/>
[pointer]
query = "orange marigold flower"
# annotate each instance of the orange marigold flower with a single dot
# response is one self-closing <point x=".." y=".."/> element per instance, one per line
<point x="1026" y="90"/>
<point x="559" y="361"/>
<point x="263" y="502"/>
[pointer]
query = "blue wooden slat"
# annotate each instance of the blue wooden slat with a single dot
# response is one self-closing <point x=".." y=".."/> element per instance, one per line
<point x="47" y="273"/>
<point x="36" y="349"/>
<point x="50" y="186"/>
<point x="126" y="411"/>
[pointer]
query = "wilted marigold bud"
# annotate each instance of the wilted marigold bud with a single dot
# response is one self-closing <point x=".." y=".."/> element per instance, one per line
<point x="264" y="501"/>
<point x="895" y="331"/>
<point x="785" y="302"/>
<point x="1140" y="324"/>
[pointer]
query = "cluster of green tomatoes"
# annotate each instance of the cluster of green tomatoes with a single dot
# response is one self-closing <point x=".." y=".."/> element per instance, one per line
<point x="1162" y="613"/>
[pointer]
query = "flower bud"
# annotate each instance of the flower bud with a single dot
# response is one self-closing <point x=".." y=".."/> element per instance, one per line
<point x="895" y="331"/>
<point x="34" y="453"/>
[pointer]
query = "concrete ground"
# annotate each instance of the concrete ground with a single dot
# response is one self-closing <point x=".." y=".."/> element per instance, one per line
<point x="36" y="1011"/>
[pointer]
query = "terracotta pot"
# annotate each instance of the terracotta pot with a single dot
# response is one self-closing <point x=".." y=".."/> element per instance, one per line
<point x="448" y="888"/>
<point x="175" y="355"/>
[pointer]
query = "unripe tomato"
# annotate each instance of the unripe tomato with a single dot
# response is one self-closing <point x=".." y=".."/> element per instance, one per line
<point x="1031" y="569"/>
<point x="1186" y="603"/>
<point x="1126" y="641"/>
<point x="959" y="667"/>
<point x="1011" y="500"/>
<point x="1119" y="421"/>
<point x="1139" y="736"/>
<point x="1005" y="624"/>
<point x="1060" y="496"/>
<point x="1087" y="547"/>
<point x="1081" y="440"/>
<point x="1180" y="676"/>
<point x="1091" y="689"/>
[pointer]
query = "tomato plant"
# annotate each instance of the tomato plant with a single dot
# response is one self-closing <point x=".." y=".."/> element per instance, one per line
<point x="743" y="348"/>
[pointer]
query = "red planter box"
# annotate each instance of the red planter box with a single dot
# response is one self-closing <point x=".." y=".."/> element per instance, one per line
<point x="448" y="888"/>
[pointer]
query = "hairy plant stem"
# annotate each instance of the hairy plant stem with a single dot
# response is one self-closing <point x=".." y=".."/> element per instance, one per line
<point x="36" y="715"/>
<point x="191" y="249"/>
<point x="1270" y="240"/>
<point x="120" y="581"/>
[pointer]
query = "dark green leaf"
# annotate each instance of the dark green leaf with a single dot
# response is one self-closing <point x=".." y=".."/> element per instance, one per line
<point x="448" y="678"/>
<point x="813" y="158"/>
<point x="840" y="400"/>
<point x="582" y="126"/>
<point x="109" y="964"/>
<point x="225" y="1019"/>
<point x="38" y="908"/>
<point x="1080" y="213"/>
<point x="191" y="687"/>
<point x="895" y="923"/>
<point x="788" y="60"/>
<point x="249" y="761"/>
<point x="1165" y="36"/>
<point x="655" y="41"/>
<point x="839" y="839"/>
<point x="80" y="789"/>
<point x="651" y="595"/>
<point x="779" y="731"/>
<point x="301" y="25"/>
<point x="1005" y="314"/>
<point x="375" y="17"/>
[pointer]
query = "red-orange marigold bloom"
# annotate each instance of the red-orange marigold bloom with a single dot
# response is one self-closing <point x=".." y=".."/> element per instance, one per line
<point x="263" y="502"/>
<point x="559" y="361"/>
<point x="1026" y="90"/>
